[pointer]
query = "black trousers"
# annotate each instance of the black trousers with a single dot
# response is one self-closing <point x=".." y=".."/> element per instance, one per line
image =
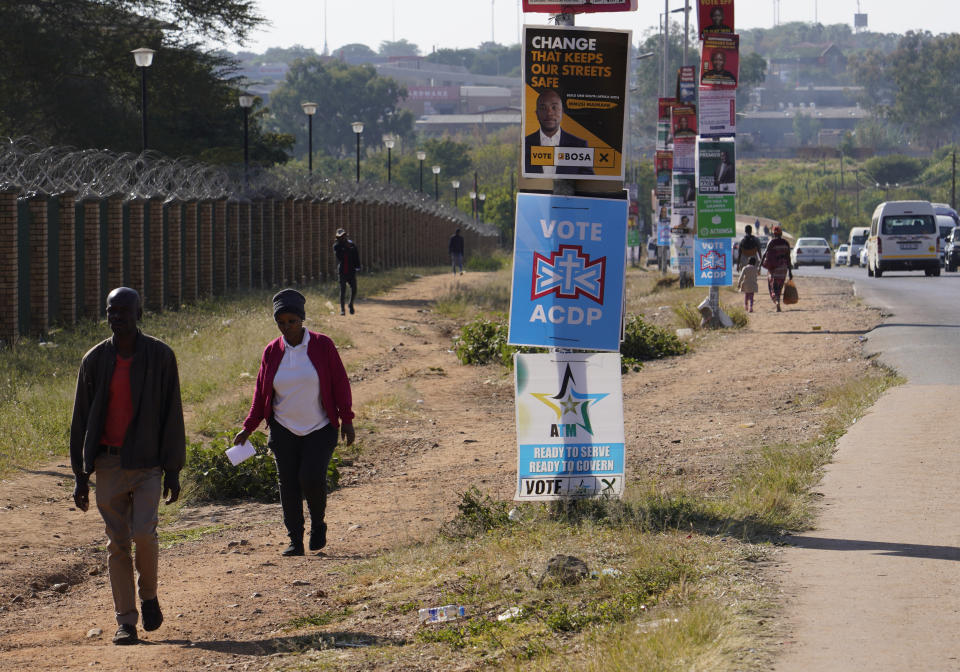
<point x="302" y="467"/>
<point x="344" y="281"/>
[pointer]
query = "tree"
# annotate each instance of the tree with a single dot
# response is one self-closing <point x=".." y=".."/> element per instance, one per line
<point x="286" y="54"/>
<point x="355" y="53"/>
<point x="393" y="49"/>
<point x="345" y="93"/>
<point x="805" y="127"/>
<point x="67" y="77"/>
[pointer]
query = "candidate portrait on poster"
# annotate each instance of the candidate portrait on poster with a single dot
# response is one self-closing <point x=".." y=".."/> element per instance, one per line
<point x="719" y="61"/>
<point x="549" y="108"/>
<point x="715" y="16"/>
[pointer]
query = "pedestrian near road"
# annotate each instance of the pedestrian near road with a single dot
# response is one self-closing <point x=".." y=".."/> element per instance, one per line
<point x="456" y="251"/>
<point x="348" y="263"/>
<point x="749" y="247"/>
<point x="127" y="429"/>
<point x="747" y="283"/>
<point x="776" y="259"/>
<point x="303" y="393"/>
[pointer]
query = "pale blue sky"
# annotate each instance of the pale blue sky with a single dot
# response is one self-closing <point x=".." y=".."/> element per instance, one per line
<point x="467" y="23"/>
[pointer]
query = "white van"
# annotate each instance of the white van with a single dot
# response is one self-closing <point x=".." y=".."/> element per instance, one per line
<point x="903" y="237"/>
<point x="856" y="241"/>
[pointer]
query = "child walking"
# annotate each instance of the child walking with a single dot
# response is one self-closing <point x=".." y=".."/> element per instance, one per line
<point x="748" y="283"/>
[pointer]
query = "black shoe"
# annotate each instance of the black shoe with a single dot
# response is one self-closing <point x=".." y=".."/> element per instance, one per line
<point x="126" y="634"/>
<point x="351" y="309"/>
<point x="151" y="614"/>
<point x="342" y="311"/>
<point x="318" y="537"/>
<point x="293" y="549"/>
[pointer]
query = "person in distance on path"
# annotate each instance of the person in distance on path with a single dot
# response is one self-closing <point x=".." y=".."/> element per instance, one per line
<point x="776" y="259"/>
<point x="127" y="428"/>
<point x="747" y="283"/>
<point x="456" y="251"/>
<point x="348" y="263"/>
<point x="303" y="393"/>
<point x="749" y="247"/>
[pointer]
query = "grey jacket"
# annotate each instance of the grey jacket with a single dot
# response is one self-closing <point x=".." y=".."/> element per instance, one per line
<point x="155" y="437"/>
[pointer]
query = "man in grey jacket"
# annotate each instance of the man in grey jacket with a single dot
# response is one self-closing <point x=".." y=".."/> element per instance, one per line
<point x="128" y="429"/>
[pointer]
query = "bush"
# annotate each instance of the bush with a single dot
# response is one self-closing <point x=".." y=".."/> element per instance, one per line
<point x="737" y="314"/>
<point x="210" y="477"/>
<point x="894" y="168"/>
<point x="644" y="342"/>
<point x="478" y="514"/>
<point x="485" y="263"/>
<point x="687" y="315"/>
<point x="484" y="340"/>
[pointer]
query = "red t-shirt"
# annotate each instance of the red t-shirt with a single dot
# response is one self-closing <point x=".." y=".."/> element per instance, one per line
<point x="119" y="404"/>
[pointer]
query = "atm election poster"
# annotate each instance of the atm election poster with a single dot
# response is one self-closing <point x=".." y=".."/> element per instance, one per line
<point x="570" y="439"/>
<point x="574" y="102"/>
<point x="568" y="272"/>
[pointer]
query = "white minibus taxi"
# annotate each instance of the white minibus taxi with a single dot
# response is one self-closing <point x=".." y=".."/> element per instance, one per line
<point x="903" y="237"/>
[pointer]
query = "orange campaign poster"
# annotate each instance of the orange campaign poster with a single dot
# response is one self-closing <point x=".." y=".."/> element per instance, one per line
<point x="716" y="16"/>
<point x="574" y="102"/>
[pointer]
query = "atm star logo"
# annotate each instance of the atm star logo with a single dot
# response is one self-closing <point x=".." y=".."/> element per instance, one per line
<point x="570" y="402"/>
<point x="568" y="273"/>
<point x="713" y="261"/>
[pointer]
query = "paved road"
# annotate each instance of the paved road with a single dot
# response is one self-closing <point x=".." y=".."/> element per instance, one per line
<point x="877" y="585"/>
<point x="921" y="338"/>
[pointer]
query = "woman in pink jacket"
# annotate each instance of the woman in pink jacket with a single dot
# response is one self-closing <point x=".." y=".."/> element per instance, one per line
<point x="304" y="395"/>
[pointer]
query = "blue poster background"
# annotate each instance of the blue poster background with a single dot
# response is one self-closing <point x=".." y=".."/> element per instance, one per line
<point x="713" y="262"/>
<point x="568" y="272"/>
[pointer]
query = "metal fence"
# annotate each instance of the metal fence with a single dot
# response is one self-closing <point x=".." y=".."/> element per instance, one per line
<point x="76" y="223"/>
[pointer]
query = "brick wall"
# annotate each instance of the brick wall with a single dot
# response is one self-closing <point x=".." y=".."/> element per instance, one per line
<point x="68" y="258"/>
<point x="39" y="281"/>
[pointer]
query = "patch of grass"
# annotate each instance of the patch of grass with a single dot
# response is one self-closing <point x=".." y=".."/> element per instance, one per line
<point x="316" y="620"/>
<point x="464" y="301"/>
<point x="484" y="341"/>
<point x="171" y="538"/>
<point x="737" y="314"/>
<point x="688" y="317"/>
<point x="478" y="514"/>
<point x="493" y="262"/>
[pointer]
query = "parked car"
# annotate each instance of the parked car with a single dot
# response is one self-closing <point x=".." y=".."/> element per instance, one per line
<point x="863" y="257"/>
<point x="811" y="252"/>
<point x="947" y="219"/>
<point x="842" y="257"/>
<point x="951" y="251"/>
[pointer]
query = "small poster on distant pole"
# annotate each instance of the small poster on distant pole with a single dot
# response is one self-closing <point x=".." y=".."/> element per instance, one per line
<point x="664" y="136"/>
<point x="715" y="16"/>
<point x="720" y="62"/>
<point x="716" y="168"/>
<point x="578" y="6"/>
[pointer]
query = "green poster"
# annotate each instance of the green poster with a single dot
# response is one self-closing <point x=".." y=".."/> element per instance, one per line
<point x="716" y="216"/>
<point x="633" y="237"/>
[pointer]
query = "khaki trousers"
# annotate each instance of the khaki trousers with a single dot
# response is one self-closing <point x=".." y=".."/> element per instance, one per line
<point x="128" y="500"/>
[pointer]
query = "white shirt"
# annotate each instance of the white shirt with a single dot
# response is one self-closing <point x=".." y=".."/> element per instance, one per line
<point x="296" y="391"/>
<point x="550" y="141"/>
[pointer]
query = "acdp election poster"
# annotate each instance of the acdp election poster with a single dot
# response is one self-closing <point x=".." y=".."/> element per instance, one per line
<point x="570" y="439"/>
<point x="568" y="272"/>
<point x="574" y="101"/>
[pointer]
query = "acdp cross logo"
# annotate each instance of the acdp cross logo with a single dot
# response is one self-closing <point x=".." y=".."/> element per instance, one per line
<point x="569" y="274"/>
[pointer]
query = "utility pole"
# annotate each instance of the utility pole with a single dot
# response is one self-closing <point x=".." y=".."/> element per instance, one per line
<point x="841" y="169"/>
<point x="856" y="177"/>
<point x="953" y="181"/>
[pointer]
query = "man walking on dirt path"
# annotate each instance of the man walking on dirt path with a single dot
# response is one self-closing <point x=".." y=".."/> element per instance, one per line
<point x="128" y="429"/>
<point x="348" y="263"/>
<point x="456" y="251"/>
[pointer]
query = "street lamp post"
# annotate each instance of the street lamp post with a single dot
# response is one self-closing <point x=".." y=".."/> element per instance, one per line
<point x="143" y="57"/>
<point x="309" y="109"/>
<point x="357" y="129"/>
<point x="421" y="155"/>
<point x="246" y="102"/>
<point x="390" y="143"/>
<point x="456" y="187"/>
<point x="473" y="202"/>
<point x="436" y="182"/>
<point x="480" y="199"/>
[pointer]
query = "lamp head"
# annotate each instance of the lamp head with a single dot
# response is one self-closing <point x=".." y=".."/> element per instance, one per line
<point x="246" y="100"/>
<point x="421" y="155"/>
<point x="436" y="170"/>
<point x="143" y="57"/>
<point x="357" y="127"/>
<point x="455" y="184"/>
<point x="309" y="109"/>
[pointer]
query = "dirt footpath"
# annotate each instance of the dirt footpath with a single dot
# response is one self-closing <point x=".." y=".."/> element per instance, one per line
<point x="431" y="428"/>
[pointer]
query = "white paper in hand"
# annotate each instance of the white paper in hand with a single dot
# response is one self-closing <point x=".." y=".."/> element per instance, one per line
<point x="238" y="454"/>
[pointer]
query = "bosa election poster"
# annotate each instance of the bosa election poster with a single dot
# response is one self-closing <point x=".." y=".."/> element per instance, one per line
<point x="570" y="440"/>
<point x="578" y="6"/>
<point x="574" y="98"/>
